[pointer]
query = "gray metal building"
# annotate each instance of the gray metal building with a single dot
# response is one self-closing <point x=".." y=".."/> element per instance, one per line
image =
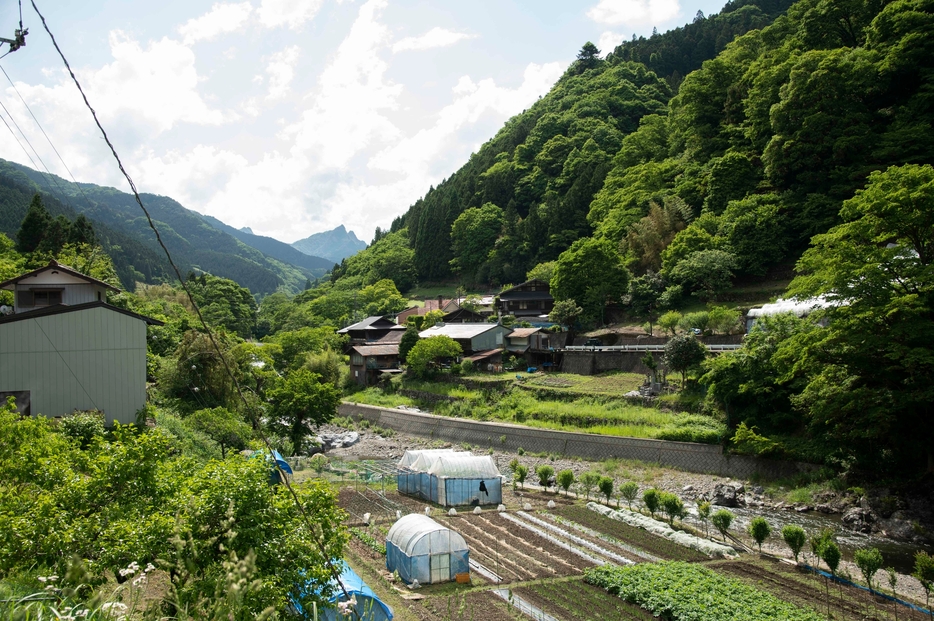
<point x="60" y="357"/>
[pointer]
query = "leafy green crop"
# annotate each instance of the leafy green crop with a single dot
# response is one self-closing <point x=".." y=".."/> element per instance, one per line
<point x="689" y="592"/>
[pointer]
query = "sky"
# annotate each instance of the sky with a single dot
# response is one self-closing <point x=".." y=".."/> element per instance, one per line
<point x="292" y="117"/>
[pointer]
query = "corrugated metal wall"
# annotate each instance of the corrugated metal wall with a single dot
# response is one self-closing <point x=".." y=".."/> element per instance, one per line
<point x="89" y="359"/>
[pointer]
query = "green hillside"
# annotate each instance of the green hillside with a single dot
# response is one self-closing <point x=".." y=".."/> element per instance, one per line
<point x="193" y="242"/>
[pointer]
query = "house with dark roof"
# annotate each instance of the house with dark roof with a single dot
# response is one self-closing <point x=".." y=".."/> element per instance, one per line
<point x="373" y="330"/>
<point x="370" y="363"/>
<point x="530" y="299"/>
<point x="64" y="348"/>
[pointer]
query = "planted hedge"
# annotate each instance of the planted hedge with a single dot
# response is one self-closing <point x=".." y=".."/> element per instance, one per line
<point x="690" y="592"/>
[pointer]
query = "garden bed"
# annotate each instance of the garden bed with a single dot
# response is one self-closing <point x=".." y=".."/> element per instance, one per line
<point x="806" y="589"/>
<point x="689" y="591"/>
<point x="473" y="606"/>
<point x="636" y="537"/>
<point x="513" y="553"/>
<point x="578" y="601"/>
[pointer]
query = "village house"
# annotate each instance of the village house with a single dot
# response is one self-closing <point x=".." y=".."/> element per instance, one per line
<point x="372" y="330"/>
<point x="485" y="305"/>
<point x="482" y="343"/>
<point x="531" y="299"/>
<point x="64" y="348"/>
<point x="373" y="348"/>
<point x="415" y="311"/>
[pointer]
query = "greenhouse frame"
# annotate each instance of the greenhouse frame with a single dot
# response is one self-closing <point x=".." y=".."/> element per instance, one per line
<point x="451" y="478"/>
<point x="421" y="549"/>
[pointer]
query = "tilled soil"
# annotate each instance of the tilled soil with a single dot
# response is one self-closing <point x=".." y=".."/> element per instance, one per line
<point x="806" y="589"/>
<point x="579" y="601"/>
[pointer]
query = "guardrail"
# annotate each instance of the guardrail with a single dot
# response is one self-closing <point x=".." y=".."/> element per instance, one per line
<point x="612" y="348"/>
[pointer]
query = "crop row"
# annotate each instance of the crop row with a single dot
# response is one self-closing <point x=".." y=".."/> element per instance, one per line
<point x="369" y="540"/>
<point x="691" y="592"/>
<point x="656" y="546"/>
<point x="579" y="601"/>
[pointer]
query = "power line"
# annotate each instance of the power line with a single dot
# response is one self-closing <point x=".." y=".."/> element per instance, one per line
<point x="39" y="125"/>
<point x="282" y="475"/>
<point x="48" y="173"/>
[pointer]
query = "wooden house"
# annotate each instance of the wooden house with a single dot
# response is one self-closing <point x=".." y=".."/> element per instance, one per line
<point x="369" y="363"/>
<point x="530" y="299"/>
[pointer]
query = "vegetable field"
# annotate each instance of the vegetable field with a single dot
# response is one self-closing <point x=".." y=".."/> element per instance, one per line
<point x="640" y="539"/>
<point x="579" y="601"/>
<point x="690" y="592"/>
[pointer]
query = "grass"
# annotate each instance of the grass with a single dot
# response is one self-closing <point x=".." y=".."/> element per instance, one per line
<point x="614" y="383"/>
<point x="589" y="414"/>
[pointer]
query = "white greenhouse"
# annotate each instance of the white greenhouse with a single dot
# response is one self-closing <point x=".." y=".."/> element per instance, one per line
<point x="451" y="478"/>
<point x="421" y="549"/>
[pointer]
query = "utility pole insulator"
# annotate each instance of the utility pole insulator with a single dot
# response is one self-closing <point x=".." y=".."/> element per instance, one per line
<point x="18" y="40"/>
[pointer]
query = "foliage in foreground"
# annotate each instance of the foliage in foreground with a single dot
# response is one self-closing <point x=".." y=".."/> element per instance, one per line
<point x="130" y="497"/>
<point x="689" y="592"/>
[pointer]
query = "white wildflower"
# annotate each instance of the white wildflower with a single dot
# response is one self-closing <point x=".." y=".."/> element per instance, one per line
<point x="41" y="579"/>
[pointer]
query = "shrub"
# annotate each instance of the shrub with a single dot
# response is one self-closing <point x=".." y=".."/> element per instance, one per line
<point x="651" y="499"/>
<point x="521" y="472"/>
<point x="467" y="367"/>
<point x="703" y="512"/>
<point x="606" y="487"/>
<point x="759" y="530"/>
<point x="588" y="481"/>
<point x="869" y="561"/>
<point x="83" y="426"/>
<point x="672" y="505"/>
<point x="722" y="520"/>
<point x="795" y="537"/>
<point x="566" y="480"/>
<point x="544" y="473"/>
<point x="629" y="491"/>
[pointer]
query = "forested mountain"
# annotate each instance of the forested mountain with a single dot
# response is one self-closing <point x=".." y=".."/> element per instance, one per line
<point x="133" y="259"/>
<point x="125" y="234"/>
<point x="334" y="245"/>
<point x="752" y="156"/>
<point x="275" y="248"/>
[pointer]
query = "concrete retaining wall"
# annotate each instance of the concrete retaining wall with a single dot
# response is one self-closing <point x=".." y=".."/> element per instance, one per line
<point x="689" y="456"/>
<point x="592" y="363"/>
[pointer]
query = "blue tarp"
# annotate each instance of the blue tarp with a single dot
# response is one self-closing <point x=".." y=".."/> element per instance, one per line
<point x="369" y="606"/>
<point x="280" y="461"/>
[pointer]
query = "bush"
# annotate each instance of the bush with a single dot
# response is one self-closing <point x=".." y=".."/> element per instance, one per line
<point x="722" y="520"/>
<point x="521" y="472"/>
<point x="629" y="491"/>
<point x="650" y="498"/>
<point x="467" y="367"/>
<point x="759" y="530"/>
<point x="566" y="480"/>
<point x="83" y="426"/>
<point x="673" y="506"/>
<point x="544" y="473"/>
<point x="795" y="537"/>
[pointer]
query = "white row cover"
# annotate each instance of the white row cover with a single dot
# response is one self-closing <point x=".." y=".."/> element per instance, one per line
<point x="799" y="307"/>
<point x="410" y="457"/>
<point x="417" y="535"/>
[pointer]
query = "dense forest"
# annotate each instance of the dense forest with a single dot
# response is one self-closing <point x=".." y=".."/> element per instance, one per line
<point x="195" y="243"/>
<point x="802" y="144"/>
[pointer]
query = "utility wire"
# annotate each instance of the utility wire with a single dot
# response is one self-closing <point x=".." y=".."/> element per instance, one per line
<point x="39" y="125"/>
<point x="282" y="475"/>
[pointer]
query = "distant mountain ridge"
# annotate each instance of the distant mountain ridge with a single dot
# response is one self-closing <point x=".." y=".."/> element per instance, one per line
<point x="273" y="247"/>
<point x="195" y="244"/>
<point x="334" y="245"/>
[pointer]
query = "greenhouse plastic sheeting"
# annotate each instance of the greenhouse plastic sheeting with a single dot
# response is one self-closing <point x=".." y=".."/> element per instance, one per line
<point x="463" y="465"/>
<point x="457" y="492"/>
<point x="409" y="457"/>
<point x="421" y="549"/>
<point x="419" y="484"/>
<point x="369" y="606"/>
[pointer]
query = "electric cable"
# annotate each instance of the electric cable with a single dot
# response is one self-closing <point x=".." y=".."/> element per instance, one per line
<point x="282" y="475"/>
<point x="41" y="129"/>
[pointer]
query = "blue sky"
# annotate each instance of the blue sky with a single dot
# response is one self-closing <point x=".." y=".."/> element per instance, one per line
<point x="294" y="116"/>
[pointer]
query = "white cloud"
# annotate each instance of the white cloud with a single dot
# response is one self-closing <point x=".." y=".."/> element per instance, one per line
<point x="436" y="37"/>
<point x="291" y="13"/>
<point x="634" y="12"/>
<point x="432" y="153"/>
<point x="281" y="70"/>
<point x="608" y="41"/>
<point x="222" y="19"/>
<point x="353" y="95"/>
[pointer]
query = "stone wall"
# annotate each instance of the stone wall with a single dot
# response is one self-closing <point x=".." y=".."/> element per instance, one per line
<point x="594" y="362"/>
<point x="688" y="456"/>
